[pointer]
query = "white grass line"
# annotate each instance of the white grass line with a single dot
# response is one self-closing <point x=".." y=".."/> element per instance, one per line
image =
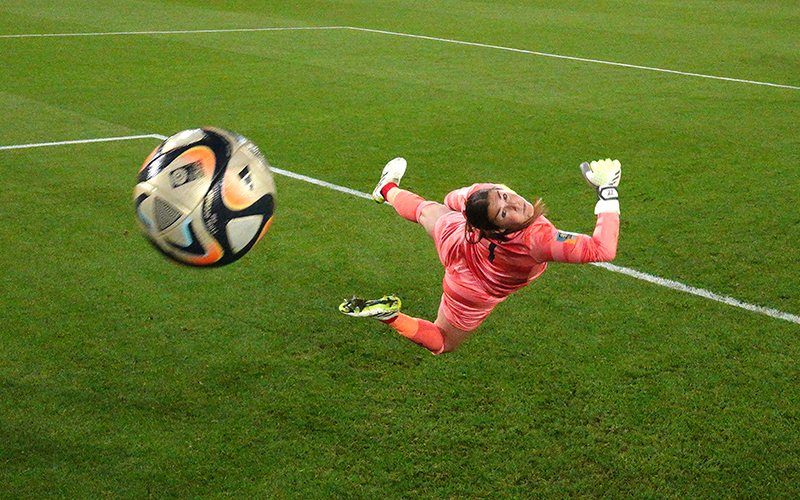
<point x="675" y="285"/>
<point x="169" y="32"/>
<point x="408" y="35"/>
<point x="571" y="58"/>
<point x="318" y="182"/>
<point x="81" y="141"/>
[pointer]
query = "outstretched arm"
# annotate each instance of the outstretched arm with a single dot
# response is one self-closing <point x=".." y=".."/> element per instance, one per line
<point x="601" y="246"/>
<point x="576" y="248"/>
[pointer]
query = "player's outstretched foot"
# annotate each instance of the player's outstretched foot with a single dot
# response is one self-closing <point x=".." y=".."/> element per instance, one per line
<point x="392" y="172"/>
<point x="384" y="308"/>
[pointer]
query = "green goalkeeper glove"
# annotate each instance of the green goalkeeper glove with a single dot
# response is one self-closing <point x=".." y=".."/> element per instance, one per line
<point x="604" y="175"/>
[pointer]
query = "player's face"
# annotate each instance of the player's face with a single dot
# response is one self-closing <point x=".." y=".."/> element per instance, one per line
<point x="508" y="210"/>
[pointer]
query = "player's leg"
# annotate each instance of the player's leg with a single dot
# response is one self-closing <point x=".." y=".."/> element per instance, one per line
<point x="453" y="337"/>
<point x="415" y="208"/>
<point x="412" y="206"/>
<point x="464" y="305"/>
<point x="438" y="337"/>
<point x="387" y="310"/>
<point x="409" y="205"/>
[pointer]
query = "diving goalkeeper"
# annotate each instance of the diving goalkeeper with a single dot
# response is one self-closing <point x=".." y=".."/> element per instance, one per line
<point x="492" y="242"/>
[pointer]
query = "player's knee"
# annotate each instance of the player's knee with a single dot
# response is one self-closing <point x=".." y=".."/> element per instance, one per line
<point x="451" y="343"/>
<point x="446" y="349"/>
<point x="430" y="213"/>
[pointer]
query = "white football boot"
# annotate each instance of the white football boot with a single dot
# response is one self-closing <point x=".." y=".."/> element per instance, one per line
<point x="392" y="172"/>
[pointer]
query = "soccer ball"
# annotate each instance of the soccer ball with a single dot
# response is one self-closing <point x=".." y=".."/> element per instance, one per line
<point x="204" y="197"/>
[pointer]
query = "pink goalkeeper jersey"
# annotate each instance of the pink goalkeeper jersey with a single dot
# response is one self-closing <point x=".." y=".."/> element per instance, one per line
<point x="504" y="267"/>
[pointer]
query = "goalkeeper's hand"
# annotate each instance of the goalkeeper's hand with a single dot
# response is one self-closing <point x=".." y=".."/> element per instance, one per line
<point x="604" y="175"/>
<point x="602" y="172"/>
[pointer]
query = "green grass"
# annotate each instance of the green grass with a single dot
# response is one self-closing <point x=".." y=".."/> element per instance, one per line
<point x="125" y="376"/>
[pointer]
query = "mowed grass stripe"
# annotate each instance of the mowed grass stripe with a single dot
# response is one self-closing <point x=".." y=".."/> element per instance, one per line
<point x="409" y="35"/>
<point x="667" y="283"/>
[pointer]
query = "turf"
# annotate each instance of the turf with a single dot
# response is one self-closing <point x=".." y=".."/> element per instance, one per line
<point x="125" y="376"/>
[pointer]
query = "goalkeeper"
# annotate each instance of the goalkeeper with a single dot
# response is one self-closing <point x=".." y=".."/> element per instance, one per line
<point x="492" y="242"/>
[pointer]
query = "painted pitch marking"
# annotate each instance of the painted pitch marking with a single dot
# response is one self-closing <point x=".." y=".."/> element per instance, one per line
<point x="81" y="141"/>
<point x="408" y="35"/>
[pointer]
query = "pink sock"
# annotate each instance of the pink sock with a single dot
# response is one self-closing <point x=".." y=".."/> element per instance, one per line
<point x="407" y="204"/>
<point x="418" y="331"/>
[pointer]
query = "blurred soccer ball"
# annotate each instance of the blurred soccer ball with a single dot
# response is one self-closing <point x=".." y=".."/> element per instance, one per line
<point x="204" y="197"/>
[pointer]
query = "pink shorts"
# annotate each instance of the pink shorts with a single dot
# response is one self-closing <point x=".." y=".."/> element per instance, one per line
<point x="465" y="301"/>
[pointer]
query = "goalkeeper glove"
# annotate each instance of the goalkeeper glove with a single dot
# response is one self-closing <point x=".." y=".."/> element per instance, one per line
<point x="602" y="172"/>
<point x="604" y="175"/>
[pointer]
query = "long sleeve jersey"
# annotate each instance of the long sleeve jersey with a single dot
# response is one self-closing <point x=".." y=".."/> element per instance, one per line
<point x="504" y="267"/>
